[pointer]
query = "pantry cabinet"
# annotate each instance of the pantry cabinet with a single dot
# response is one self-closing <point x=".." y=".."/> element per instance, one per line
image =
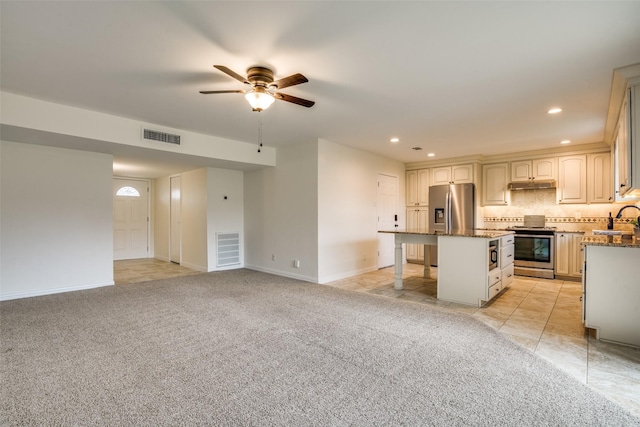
<point x="572" y="179"/>
<point x="495" y="179"/>
<point x="418" y="187"/>
<point x="569" y="255"/>
<point x="534" y="169"/>
<point x="599" y="184"/>
<point x="460" y="174"/>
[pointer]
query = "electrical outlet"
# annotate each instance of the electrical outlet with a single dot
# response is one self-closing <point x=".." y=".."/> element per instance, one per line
<point x="296" y="263"/>
<point x="273" y="257"/>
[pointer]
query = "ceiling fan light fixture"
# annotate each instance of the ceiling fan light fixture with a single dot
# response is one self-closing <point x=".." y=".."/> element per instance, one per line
<point x="259" y="100"/>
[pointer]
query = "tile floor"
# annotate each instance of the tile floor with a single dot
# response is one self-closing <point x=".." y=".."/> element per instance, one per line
<point x="543" y="316"/>
<point x="146" y="269"/>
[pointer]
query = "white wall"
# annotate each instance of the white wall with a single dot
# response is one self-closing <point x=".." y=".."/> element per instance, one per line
<point x="101" y="129"/>
<point x="224" y="215"/>
<point x="317" y="205"/>
<point x="281" y="214"/>
<point x="347" y="212"/>
<point x="56" y="224"/>
<point x="205" y="211"/>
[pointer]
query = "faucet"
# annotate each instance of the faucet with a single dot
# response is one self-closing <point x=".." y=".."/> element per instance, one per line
<point x="623" y="208"/>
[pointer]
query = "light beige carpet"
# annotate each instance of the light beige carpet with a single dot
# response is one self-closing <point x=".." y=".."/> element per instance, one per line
<point x="248" y="348"/>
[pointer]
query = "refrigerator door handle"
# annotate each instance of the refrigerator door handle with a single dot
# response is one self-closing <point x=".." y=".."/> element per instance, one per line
<point x="447" y="213"/>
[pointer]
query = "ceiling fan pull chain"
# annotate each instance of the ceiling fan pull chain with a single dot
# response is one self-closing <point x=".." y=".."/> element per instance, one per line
<point x="260" y="134"/>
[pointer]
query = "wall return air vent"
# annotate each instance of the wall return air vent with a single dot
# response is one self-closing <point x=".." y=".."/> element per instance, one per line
<point x="228" y="249"/>
<point x="155" y="135"/>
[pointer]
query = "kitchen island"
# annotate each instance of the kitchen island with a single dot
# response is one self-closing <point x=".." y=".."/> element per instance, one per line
<point x="466" y="271"/>
<point x="611" y="288"/>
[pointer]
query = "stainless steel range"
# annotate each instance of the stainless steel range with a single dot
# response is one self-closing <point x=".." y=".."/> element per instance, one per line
<point x="534" y="248"/>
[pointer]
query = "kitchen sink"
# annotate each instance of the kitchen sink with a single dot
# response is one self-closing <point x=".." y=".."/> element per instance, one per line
<point x="611" y="232"/>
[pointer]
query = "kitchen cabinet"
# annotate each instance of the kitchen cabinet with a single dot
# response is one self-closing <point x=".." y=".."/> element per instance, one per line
<point x="474" y="284"/>
<point x="417" y="219"/>
<point x="507" y="254"/>
<point x="418" y="187"/>
<point x="599" y="185"/>
<point x="460" y="174"/>
<point x="569" y="255"/>
<point x="495" y="179"/>
<point x="611" y="295"/>
<point x="572" y="179"/>
<point x="626" y="146"/>
<point x="534" y="169"/>
<point x="621" y="151"/>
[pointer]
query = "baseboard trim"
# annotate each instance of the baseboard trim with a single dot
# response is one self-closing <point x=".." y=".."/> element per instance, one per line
<point x="53" y="291"/>
<point x="282" y="273"/>
<point x="341" y="276"/>
<point x="194" y="267"/>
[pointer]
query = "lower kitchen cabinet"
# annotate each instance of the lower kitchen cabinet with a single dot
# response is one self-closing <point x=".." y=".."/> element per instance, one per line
<point x="569" y="255"/>
<point x="464" y="273"/>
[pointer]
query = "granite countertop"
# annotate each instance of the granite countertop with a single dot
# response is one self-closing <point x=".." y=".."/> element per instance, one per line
<point x="455" y="233"/>
<point x="618" y="241"/>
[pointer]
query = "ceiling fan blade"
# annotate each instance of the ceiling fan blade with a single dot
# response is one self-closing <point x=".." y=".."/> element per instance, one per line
<point x="293" y="80"/>
<point x="208" y="92"/>
<point x="232" y="73"/>
<point x="294" y="99"/>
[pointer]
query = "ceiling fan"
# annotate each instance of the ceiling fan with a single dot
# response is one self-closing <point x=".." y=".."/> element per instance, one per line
<point x="264" y="90"/>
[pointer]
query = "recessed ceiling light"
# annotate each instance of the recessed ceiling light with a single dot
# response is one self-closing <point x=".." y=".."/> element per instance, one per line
<point x="554" y="110"/>
<point x="394" y="140"/>
<point x="431" y="154"/>
<point x="566" y="141"/>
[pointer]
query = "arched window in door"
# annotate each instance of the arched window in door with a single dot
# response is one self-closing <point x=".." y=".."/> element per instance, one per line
<point x="128" y="192"/>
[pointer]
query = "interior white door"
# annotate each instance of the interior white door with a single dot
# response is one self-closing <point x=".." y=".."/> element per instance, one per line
<point x="387" y="218"/>
<point x="130" y="219"/>
<point x="175" y="236"/>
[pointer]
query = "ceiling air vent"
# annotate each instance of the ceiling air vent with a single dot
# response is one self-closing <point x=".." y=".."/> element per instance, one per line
<point x="154" y="135"/>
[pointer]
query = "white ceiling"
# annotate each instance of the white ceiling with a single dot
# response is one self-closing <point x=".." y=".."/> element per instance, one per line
<point x="455" y="78"/>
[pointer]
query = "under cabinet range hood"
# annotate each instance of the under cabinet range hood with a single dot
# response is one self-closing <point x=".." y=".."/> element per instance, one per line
<point x="542" y="184"/>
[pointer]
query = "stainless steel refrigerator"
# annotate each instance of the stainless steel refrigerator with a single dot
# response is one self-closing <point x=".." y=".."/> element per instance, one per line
<point x="452" y="207"/>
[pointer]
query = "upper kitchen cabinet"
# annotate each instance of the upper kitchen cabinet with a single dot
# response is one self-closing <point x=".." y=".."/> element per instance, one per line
<point x="534" y="169"/>
<point x="572" y="179"/>
<point x="460" y="174"/>
<point x="418" y="187"/>
<point x="599" y="185"/>
<point x="621" y="131"/>
<point x="495" y="181"/>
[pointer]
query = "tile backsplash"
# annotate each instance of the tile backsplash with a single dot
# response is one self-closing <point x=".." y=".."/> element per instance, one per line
<point x="567" y="217"/>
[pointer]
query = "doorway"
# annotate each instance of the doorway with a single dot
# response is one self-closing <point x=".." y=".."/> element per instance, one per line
<point x="130" y="218"/>
<point x="387" y="218"/>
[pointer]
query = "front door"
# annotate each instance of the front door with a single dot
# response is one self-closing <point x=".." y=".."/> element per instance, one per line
<point x="387" y="218"/>
<point x="130" y="218"/>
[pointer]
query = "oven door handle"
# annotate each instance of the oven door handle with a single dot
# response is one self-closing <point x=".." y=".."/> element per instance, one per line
<point x="538" y="236"/>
